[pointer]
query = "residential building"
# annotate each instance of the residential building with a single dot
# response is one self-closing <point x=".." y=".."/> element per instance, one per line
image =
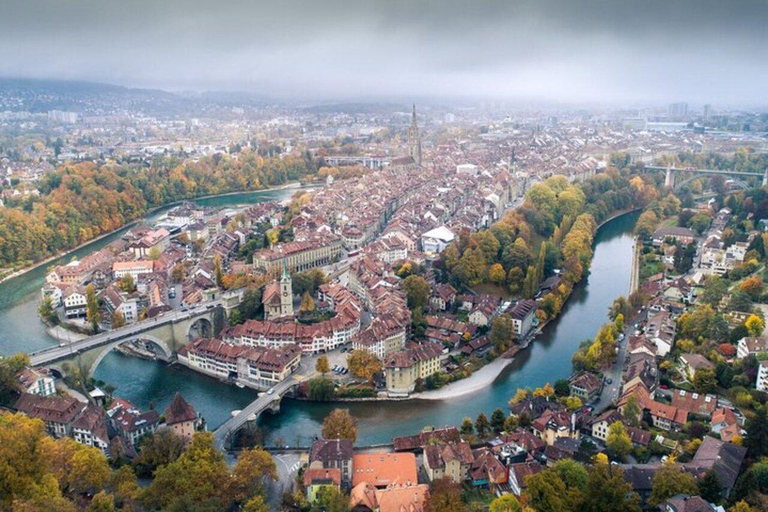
<point x="395" y="498"/>
<point x="36" y="381"/>
<point x="750" y="345"/>
<point x="436" y="240"/>
<point x="90" y="429"/>
<point x="333" y="453"/>
<point x="450" y="460"/>
<point x="316" y="479"/>
<point x="762" y="377"/>
<point x="522" y="315"/>
<point x="383" y="469"/>
<point x="75" y="302"/>
<point x="131" y="423"/>
<point x="298" y="256"/>
<point x="690" y="363"/>
<point x="586" y="386"/>
<point x="406" y="367"/>
<point x="519" y="473"/>
<point x="134" y="268"/>
<point x="601" y="423"/>
<point x="57" y="412"/>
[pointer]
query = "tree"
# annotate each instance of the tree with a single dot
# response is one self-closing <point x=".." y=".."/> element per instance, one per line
<point x="757" y="433"/>
<point x="92" y="308"/>
<point x="307" y="304"/>
<point x="9" y="385"/>
<point x="101" y="502"/>
<point x="417" y="291"/>
<point x="154" y="253"/>
<point x="256" y="504"/>
<point x="497" y="420"/>
<point x="339" y="424"/>
<point x="482" y="425"/>
<point x="710" y="487"/>
<point x="632" y="413"/>
<point x="330" y="499"/>
<point x="562" y="387"/>
<point x="506" y="503"/>
<point x="669" y="480"/>
<point x="497" y="274"/>
<point x="705" y="380"/>
<point x="158" y="449"/>
<point x="646" y="224"/>
<point x="124" y="485"/>
<point x="715" y="289"/>
<point x="253" y="467"/>
<point x="118" y="319"/>
<point x="619" y="322"/>
<point x="322" y="365"/>
<point x="363" y="364"/>
<point x="127" y="284"/>
<point x="502" y="332"/>
<point x="199" y="475"/>
<point x="607" y="491"/>
<point x="321" y="389"/>
<point x="546" y="492"/>
<point x="754" y="325"/>
<point x="218" y="272"/>
<point x="46" y="311"/>
<point x="618" y="441"/>
<point x="467" y="428"/>
<point x="444" y="496"/>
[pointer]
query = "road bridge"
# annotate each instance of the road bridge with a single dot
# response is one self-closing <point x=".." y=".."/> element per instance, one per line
<point x="266" y="401"/>
<point x="165" y="334"/>
<point x="691" y="173"/>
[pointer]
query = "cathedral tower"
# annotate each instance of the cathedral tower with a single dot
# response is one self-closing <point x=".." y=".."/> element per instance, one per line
<point x="414" y="142"/>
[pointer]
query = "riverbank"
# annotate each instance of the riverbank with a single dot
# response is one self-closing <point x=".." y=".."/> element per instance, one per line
<point x="151" y="211"/>
<point x="479" y="380"/>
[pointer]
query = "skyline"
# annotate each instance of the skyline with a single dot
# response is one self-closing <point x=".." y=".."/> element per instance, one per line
<point x="554" y="51"/>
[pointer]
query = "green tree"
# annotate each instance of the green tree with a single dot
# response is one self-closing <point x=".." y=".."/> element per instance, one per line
<point x="118" y="319"/>
<point x="127" y="284"/>
<point x="705" y="380"/>
<point x="101" y="502"/>
<point x="619" y="322"/>
<point x="158" y="449"/>
<point x="46" y="311"/>
<point x="710" y="487"/>
<point x="482" y="425"/>
<point x="321" y="389"/>
<point x="618" y="441"/>
<point x="256" y="504"/>
<point x="756" y="441"/>
<point x="497" y="420"/>
<point x="506" y="503"/>
<point x="339" y="424"/>
<point x="546" y="492"/>
<point x="330" y="499"/>
<point x="502" y="332"/>
<point x="671" y="480"/>
<point x="218" y="272"/>
<point x="632" y="413"/>
<point x="417" y="291"/>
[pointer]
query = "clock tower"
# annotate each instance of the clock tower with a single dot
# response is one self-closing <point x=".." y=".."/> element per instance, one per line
<point x="286" y="293"/>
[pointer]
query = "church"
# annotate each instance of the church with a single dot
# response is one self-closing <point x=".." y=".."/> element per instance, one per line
<point x="413" y="159"/>
<point x="278" y="297"/>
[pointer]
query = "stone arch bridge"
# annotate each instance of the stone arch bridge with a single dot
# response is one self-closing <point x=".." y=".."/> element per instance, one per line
<point x="165" y="334"/>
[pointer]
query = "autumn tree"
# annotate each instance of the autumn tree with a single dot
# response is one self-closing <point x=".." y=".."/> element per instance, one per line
<point x="322" y="365"/>
<point x="307" y="304"/>
<point x="46" y="311"/>
<point x="755" y="325"/>
<point x="118" y="319"/>
<point x="339" y="424"/>
<point x="253" y="468"/>
<point x="218" y="271"/>
<point x="199" y="475"/>
<point x="157" y="449"/>
<point x="497" y="274"/>
<point x="607" y="491"/>
<point x="646" y="224"/>
<point x="92" y="308"/>
<point x="705" y="380"/>
<point x="467" y="428"/>
<point x="444" y="496"/>
<point x="546" y="492"/>
<point x="363" y="364"/>
<point x="505" y="503"/>
<point x="670" y="480"/>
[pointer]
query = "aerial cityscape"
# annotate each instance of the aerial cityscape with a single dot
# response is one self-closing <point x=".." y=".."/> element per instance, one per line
<point x="384" y="256"/>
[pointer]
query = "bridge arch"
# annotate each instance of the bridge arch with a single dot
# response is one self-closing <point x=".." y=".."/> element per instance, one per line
<point x="740" y="183"/>
<point x="165" y="351"/>
<point x="201" y="328"/>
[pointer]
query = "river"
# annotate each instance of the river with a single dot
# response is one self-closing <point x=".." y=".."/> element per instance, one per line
<point x="148" y="383"/>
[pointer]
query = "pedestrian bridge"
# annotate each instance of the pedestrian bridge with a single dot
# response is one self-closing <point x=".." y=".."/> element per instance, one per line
<point x="165" y="334"/>
<point x="223" y="435"/>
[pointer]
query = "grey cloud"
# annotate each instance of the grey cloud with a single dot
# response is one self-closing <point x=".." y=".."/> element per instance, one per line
<point x="613" y="50"/>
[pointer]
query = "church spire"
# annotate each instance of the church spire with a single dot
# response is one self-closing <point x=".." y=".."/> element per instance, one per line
<point x="414" y="141"/>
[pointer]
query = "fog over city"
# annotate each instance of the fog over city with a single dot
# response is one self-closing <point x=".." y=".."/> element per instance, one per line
<point x="557" y="50"/>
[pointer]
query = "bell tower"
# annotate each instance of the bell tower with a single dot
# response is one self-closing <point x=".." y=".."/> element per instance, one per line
<point x="414" y="142"/>
<point x="286" y="293"/>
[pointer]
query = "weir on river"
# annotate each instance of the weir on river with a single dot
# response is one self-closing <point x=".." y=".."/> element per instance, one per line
<point x="148" y="383"/>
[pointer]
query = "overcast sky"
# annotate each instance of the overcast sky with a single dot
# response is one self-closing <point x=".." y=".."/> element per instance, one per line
<point x="568" y="50"/>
